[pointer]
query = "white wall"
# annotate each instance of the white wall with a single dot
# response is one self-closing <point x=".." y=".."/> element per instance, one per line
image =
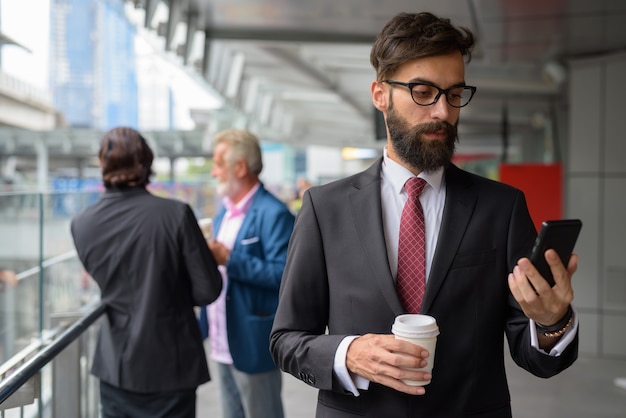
<point x="596" y="193"/>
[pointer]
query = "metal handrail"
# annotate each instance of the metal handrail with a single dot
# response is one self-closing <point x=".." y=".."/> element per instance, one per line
<point x="31" y="367"/>
<point x="28" y="351"/>
<point x="46" y="263"/>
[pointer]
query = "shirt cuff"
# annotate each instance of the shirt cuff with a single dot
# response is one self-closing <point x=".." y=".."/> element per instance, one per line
<point x="566" y="339"/>
<point x="351" y="382"/>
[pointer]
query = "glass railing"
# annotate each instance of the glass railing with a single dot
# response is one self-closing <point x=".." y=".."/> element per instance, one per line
<point x="36" y="244"/>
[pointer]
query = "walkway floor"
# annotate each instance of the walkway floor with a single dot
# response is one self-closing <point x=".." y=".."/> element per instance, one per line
<point x="586" y="390"/>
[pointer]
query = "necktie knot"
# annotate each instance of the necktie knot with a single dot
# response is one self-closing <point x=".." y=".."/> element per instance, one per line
<point x="414" y="187"/>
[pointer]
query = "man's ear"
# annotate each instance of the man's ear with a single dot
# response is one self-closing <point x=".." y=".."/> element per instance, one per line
<point x="380" y="96"/>
<point x="240" y="169"/>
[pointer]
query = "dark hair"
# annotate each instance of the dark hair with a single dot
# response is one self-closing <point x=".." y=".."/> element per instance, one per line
<point x="417" y="35"/>
<point x="125" y="158"/>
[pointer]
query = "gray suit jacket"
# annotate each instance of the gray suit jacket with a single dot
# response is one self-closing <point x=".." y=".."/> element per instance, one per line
<point x="153" y="266"/>
<point x="337" y="277"/>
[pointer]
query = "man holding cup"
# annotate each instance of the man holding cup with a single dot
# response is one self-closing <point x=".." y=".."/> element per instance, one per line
<point x="345" y="279"/>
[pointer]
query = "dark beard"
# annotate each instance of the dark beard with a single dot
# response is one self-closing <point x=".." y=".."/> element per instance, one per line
<point x="411" y="148"/>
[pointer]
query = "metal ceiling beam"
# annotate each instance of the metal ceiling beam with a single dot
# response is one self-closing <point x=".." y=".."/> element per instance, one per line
<point x="7" y="40"/>
<point x="192" y="27"/>
<point x="150" y="8"/>
<point x="288" y="35"/>
<point x="206" y="54"/>
<point x="174" y="15"/>
<point x="77" y="142"/>
<point x="303" y="66"/>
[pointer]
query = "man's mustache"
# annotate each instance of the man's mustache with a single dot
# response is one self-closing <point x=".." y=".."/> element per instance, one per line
<point x="432" y="127"/>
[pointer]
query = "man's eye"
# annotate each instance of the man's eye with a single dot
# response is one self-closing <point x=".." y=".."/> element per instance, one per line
<point x="456" y="93"/>
<point x="423" y="91"/>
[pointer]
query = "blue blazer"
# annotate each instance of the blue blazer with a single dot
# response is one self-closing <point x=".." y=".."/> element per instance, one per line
<point x="255" y="269"/>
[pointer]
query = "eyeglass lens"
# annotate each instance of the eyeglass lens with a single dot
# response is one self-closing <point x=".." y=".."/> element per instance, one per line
<point x="425" y="95"/>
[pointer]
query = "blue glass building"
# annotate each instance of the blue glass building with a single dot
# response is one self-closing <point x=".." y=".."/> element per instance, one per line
<point x="92" y="73"/>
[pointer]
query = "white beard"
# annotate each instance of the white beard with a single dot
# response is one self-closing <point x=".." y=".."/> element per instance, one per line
<point x="228" y="188"/>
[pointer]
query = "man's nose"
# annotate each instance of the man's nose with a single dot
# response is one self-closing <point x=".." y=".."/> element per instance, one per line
<point x="441" y="108"/>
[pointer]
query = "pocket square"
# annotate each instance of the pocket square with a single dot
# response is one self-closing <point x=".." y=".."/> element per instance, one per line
<point x="249" y="241"/>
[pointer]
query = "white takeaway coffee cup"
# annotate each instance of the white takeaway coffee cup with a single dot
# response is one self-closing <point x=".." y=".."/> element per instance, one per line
<point x="421" y="330"/>
<point x="206" y="225"/>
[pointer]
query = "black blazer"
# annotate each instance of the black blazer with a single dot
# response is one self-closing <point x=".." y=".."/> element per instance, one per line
<point x="337" y="276"/>
<point x="153" y="266"/>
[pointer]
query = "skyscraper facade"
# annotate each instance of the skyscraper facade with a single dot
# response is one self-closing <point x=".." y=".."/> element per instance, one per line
<point x="92" y="71"/>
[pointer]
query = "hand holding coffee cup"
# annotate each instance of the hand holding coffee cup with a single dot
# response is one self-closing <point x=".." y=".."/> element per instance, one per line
<point x="421" y="330"/>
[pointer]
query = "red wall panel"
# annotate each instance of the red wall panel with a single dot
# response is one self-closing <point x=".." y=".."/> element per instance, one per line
<point x="543" y="186"/>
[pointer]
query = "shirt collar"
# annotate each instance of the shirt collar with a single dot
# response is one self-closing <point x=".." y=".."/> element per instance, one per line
<point x="243" y="205"/>
<point x="397" y="175"/>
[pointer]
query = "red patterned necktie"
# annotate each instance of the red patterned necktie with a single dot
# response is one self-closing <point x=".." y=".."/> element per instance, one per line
<point x="411" y="280"/>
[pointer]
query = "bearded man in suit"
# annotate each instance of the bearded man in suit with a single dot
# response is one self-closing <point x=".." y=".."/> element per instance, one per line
<point x="338" y="296"/>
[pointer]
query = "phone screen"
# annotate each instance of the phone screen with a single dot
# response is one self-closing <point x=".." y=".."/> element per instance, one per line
<point x="561" y="236"/>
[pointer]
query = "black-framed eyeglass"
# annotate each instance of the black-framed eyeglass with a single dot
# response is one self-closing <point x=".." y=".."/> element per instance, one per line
<point x="425" y="94"/>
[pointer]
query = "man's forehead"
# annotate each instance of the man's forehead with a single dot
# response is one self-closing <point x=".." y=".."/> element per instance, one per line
<point x="432" y="68"/>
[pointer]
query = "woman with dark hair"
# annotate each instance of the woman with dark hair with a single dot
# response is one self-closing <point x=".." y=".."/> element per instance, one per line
<point x="152" y="265"/>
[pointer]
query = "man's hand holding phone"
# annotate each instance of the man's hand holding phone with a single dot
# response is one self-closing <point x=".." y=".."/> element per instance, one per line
<point x="559" y="235"/>
<point x="541" y="283"/>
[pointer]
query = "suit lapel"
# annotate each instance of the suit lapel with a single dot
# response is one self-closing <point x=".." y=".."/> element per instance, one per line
<point x="460" y="202"/>
<point x="366" y="207"/>
<point x="250" y="219"/>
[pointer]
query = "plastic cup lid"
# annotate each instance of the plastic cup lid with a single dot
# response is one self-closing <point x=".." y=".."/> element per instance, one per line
<point x="417" y="325"/>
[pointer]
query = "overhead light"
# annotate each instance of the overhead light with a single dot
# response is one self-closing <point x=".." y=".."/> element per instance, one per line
<point x="352" y="153"/>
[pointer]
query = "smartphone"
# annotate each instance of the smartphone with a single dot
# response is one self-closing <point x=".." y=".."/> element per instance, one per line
<point x="561" y="236"/>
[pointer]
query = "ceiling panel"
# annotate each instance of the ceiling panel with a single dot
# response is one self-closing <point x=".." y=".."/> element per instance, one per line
<point x="306" y="74"/>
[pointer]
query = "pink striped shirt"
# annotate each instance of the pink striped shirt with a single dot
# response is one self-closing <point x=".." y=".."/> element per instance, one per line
<point x="227" y="234"/>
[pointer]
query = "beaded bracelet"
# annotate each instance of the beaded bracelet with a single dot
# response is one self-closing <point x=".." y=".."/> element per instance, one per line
<point x="559" y="328"/>
<point x="559" y="332"/>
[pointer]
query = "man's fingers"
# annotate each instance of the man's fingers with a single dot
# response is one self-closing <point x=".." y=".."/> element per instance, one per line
<point x="388" y="361"/>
